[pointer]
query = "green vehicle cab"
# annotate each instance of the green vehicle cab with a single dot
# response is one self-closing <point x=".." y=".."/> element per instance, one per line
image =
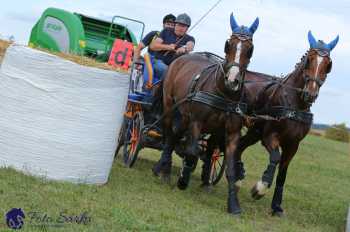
<point x="62" y="31"/>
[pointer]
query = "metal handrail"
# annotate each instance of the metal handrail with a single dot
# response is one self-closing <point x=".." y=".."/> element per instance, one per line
<point x="112" y="23"/>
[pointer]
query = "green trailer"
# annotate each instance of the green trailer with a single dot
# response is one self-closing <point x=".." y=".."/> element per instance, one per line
<point x="62" y="31"/>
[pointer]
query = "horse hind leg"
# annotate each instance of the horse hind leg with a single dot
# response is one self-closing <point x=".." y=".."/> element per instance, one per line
<point x="192" y="147"/>
<point x="163" y="166"/>
<point x="205" y="176"/>
<point x="191" y="155"/>
<point x="252" y="137"/>
<point x="189" y="164"/>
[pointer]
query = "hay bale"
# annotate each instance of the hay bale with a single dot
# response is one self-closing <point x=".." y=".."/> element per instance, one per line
<point x="83" y="60"/>
<point x="74" y="58"/>
<point x="3" y="46"/>
<point x="59" y="120"/>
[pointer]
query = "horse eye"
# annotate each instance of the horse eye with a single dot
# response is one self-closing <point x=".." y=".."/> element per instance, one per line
<point x="307" y="64"/>
<point x="329" y="67"/>
<point x="250" y="52"/>
<point x="227" y="47"/>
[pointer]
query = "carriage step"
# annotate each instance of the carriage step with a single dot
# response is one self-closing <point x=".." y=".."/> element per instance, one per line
<point x="154" y="134"/>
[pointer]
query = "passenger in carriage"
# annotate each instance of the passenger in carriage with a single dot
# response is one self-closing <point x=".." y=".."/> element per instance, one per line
<point x="172" y="43"/>
<point x="168" y="22"/>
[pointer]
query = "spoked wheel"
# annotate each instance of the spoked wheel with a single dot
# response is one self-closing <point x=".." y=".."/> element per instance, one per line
<point x="132" y="142"/>
<point x="121" y="136"/>
<point x="217" y="166"/>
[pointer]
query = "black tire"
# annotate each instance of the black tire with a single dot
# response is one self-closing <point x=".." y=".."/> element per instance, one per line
<point x="121" y="136"/>
<point x="132" y="141"/>
<point x="217" y="167"/>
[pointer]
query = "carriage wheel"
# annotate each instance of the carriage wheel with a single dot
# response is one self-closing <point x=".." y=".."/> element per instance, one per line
<point x="121" y="136"/>
<point x="217" y="167"/>
<point x="132" y="144"/>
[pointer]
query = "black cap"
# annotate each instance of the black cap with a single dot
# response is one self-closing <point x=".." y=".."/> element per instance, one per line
<point x="169" y="18"/>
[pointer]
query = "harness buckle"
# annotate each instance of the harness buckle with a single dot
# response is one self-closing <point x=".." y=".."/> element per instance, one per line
<point x="238" y="110"/>
<point x="291" y="114"/>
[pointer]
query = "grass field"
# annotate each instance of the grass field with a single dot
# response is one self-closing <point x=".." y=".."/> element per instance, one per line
<point x="317" y="195"/>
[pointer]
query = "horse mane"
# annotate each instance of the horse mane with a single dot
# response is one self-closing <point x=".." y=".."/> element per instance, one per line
<point x="298" y="66"/>
<point x="212" y="57"/>
<point x="302" y="62"/>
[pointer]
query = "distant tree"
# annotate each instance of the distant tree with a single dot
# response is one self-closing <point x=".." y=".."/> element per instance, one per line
<point x="338" y="132"/>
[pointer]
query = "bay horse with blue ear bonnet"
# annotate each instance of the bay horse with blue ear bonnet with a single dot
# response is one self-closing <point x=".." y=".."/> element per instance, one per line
<point x="202" y="95"/>
<point x="288" y="103"/>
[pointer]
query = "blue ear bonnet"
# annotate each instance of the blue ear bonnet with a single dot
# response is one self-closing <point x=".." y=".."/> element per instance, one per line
<point x="320" y="44"/>
<point x="243" y="30"/>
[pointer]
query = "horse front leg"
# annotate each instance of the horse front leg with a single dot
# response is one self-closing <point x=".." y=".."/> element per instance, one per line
<point x="190" y="156"/>
<point x="288" y="153"/>
<point x="251" y="137"/>
<point x="272" y="145"/>
<point x="232" y="138"/>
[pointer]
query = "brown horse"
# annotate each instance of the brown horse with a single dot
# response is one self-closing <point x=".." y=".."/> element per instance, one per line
<point x="289" y="102"/>
<point x="221" y="83"/>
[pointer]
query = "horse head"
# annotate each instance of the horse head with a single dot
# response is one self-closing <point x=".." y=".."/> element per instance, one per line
<point x="238" y="50"/>
<point x="317" y="65"/>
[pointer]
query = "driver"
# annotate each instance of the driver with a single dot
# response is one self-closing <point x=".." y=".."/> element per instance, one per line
<point x="171" y="43"/>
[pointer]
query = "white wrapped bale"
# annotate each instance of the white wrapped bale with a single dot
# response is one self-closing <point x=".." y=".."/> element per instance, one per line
<point x="59" y="119"/>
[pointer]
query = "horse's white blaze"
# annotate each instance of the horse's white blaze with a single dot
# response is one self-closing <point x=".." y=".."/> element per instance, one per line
<point x="234" y="70"/>
<point x="261" y="187"/>
<point x="319" y="61"/>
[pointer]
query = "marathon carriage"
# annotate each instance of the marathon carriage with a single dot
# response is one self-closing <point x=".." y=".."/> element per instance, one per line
<point x="141" y="127"/>
<point x="275" y="110"/>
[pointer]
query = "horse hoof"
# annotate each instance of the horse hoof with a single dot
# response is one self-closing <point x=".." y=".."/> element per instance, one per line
<point x="155" y="173"/>
<point x="277" y="214"/>
<point x="233" y="206"/>
<point x="182" y="184"/>
<point x="235" y="211"/>
<point x="156" y="170"/>
<point x="258" y="190"/>
<point x="256" y="193"/>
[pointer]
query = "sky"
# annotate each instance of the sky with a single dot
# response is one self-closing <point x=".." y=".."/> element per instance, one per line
<point x="279" y="42"/>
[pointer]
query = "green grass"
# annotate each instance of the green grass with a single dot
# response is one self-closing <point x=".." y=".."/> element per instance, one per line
<point x="317" y="195"/>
